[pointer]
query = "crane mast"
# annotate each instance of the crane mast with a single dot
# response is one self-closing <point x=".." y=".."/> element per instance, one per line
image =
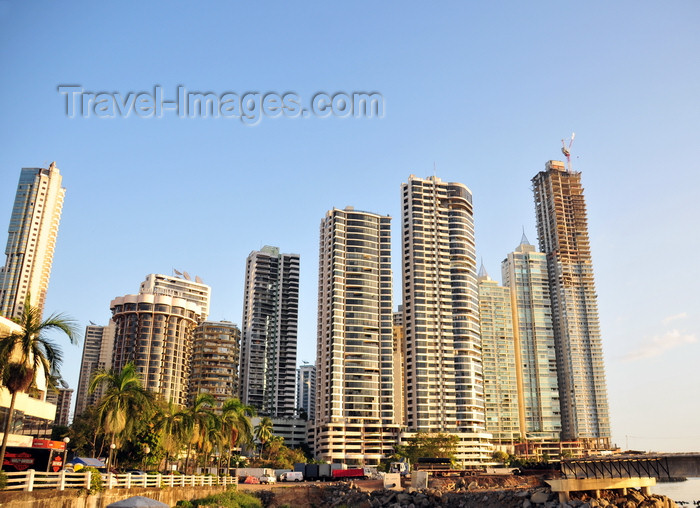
<point x="566" y="150"/>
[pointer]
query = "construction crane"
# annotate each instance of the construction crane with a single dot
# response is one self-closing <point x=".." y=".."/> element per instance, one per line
<point x="566" y="150"/>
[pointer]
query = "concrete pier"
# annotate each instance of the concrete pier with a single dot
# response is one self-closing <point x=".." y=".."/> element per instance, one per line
<point x="564" y="487"/>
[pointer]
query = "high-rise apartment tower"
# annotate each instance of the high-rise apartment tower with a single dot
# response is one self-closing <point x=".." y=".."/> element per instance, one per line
<point x="356" y="422"/>
<point x="306" y="390"/>
<point x="215" y="357"/>
<point x="524" y="271"/>
<point x="179" y="285"/>
<point x="443" y="371"/>
<point x="97" y="354"/>
<point x="499" y="359"/>
<point x="62" y="397"/>
<point x="31" y="240"/>
<point x="154" y="329"/>
<point x="269" y="332"/>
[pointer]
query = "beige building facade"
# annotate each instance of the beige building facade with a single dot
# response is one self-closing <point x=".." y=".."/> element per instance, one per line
<point x="500" y="358"/>
<point x="443" y="370"/>
<point x="31" y="239"/>
<point x="155" y="332"/>
<point x="356" y="421"/>
<point x="214" y="364"/>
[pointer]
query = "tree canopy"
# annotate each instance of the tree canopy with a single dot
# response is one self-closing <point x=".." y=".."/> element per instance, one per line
<point x="29" y="353"/>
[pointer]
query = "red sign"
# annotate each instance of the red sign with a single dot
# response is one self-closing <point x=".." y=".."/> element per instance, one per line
<point x="47" y="443"/>
<point x="56" y="463"/>
<point x="20" y="461"/>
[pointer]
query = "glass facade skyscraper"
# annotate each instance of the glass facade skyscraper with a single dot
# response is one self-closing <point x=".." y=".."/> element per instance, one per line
<point x="524" y="271"/>
<point x="499" y="358"/>
<point x="31" y="239"/>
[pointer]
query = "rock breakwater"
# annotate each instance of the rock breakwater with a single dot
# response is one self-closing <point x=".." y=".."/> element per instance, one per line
<point x="352" y="496"/>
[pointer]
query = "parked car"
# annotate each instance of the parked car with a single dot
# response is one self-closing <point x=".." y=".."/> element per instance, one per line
<point x="267" y="479"/>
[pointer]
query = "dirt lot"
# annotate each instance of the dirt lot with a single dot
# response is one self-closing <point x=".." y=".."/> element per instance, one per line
<point x="314" y="493"/>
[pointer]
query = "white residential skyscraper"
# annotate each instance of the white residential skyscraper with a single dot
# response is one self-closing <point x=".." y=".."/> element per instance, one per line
<point x="356" y="421"/>
<point x="562" y="229"/>
<point x="444" y="380"/>
<point x="524" y="271"/>
<point x="97" y="354"/>
<point x="31" y="240"/>
<point x="179" y="285"/>
<point x="269" y="332"/>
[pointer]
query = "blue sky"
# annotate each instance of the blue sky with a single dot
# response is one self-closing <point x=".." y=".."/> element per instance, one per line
<point x="476" y="93"/>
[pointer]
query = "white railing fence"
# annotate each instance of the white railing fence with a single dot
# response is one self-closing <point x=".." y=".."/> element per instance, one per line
<point x="31" y="480"/>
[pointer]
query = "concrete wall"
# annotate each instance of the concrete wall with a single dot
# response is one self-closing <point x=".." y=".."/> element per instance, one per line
<point x="50" y="498"/>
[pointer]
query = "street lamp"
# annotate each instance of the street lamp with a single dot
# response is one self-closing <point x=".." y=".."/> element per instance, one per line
<point x="111" y="452"/>
<point x="146" y="451"/>
<point x="65" y="450"/>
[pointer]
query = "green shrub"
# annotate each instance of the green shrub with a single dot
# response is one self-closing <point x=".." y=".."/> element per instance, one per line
<point x="95" y="480"/>
<point x="228" y="499"/>
<point x="3" y="480"/>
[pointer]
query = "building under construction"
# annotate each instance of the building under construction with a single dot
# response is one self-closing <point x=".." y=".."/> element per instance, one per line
<point x="562" y="229"/>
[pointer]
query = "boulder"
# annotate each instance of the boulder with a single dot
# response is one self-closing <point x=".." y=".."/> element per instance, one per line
<point x="403" y="498"/>
<point x="539" y="497"/>
<point x="636" y="496"/>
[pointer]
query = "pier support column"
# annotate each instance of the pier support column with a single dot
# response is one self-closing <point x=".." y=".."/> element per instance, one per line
<point x="565" y="486"/>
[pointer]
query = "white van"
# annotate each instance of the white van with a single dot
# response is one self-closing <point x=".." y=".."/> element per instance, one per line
<point x="292" y="476"/>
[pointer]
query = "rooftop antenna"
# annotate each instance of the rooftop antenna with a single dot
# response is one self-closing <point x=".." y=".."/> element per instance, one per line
<point x="566" y="150"/>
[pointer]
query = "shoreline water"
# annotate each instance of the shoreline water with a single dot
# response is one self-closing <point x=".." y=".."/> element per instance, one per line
<point x="687" y="491"/>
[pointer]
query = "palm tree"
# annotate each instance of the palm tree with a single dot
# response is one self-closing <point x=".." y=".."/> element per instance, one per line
<point x="173" y="427"/>
<point x="123" y="401"/>
<point x="200" y="417"/>
<point x="27" y="353"/>
<point x="263" y="431"/>
<point x="211" y="439"/>
<point x="235" y="417"/>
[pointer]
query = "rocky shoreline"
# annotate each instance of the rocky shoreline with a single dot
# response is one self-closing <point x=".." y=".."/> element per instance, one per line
<point x="352" y="496"/>
<point x="483" y="491"/>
